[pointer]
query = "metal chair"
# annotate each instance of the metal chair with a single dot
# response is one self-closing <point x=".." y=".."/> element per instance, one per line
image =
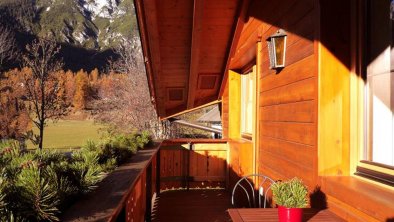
<point x="246" y="184"/>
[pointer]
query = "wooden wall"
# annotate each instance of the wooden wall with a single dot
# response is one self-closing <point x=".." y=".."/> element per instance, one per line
<point x="288" y="99"/>
<point x="287" y="106"/>
<point x="240" y="160"/>
<point x="309" y="120"/>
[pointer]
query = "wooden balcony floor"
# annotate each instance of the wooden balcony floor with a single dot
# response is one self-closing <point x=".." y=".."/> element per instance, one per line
<point x="192" y="206"/>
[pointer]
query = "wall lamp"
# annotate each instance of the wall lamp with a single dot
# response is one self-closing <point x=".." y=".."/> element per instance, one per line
<point x="277" y="49"/>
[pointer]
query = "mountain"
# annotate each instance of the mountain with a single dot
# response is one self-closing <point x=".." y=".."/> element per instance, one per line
<point x="87" y="29"/>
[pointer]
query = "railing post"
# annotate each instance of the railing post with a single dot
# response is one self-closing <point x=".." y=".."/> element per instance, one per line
<point x="148" y="192"/>
<point x="158" y="173"/>
<point x="188" y="165"/>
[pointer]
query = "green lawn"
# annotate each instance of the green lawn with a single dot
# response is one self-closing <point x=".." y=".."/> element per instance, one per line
<point x="68" y="134"/>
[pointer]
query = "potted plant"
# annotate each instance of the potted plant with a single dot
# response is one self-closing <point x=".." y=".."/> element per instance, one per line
<point x="291" y="197"/>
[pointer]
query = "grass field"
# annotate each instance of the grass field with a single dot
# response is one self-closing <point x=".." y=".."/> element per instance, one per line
<point x="68" y="134"/>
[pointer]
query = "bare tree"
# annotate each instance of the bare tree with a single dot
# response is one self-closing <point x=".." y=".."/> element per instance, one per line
<point x="41" y="84"/>
<point x="131" y="106"/>
<point x="7" y="46"/>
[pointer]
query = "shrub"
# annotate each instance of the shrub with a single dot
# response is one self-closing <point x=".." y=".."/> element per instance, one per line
<point x="119" y="147"/>
<point x="86" y="171"/>
<point x="35" y="186"/>
<point x="37" y="199"/>
<point x="290" y="194"/>
<point x="143" y="139"/>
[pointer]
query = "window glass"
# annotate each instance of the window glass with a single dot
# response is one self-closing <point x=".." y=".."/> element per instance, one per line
<point x="247" y="95"/>
<point x="380" y="83"/>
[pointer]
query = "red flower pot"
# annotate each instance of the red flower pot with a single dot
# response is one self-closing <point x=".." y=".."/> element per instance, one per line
<point x="289" y="214"/>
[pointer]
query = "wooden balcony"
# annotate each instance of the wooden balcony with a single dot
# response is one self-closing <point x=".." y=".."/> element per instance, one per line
<point x="174" y="179"/>
<point x="192" y="206"/>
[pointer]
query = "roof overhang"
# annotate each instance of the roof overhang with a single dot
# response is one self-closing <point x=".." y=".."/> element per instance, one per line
<point x="186" y="46"/>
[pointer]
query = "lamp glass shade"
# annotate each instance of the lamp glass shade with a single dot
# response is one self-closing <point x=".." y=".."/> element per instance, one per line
<point x="277" y="49"/>
<point x="279" y="44"/>
<point x="271" y="54"/>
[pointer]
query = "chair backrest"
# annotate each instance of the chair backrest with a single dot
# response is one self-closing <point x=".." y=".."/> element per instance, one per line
<point x="255" y="188"/>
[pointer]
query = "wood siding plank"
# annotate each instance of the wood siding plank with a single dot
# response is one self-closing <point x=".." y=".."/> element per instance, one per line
<point x="304" y="90"/>
<point x="302" y="112"/>
<point x="304" y="133"/>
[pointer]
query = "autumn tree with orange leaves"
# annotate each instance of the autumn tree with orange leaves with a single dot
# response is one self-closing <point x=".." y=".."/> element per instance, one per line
<point x="81" y="90"/>
<point x="14" y="116"/>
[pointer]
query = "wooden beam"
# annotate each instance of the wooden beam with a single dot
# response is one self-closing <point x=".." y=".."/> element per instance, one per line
<point x="149" y="30"/>
<point x="139" y="11"/>
<point x="195" y="51"/>
<point x="242" y="14"/>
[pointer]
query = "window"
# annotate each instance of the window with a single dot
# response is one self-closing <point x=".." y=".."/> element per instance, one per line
<point x="248" y="90"/>
<point x="379" y="93"/>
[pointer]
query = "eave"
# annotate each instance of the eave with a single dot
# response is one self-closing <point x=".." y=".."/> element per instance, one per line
<point x="186" y="47"/>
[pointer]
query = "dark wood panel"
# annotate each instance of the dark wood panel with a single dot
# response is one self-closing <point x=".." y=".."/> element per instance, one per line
<point x="176" y="28"/>
<point x="181" y="36"/>
<point x="221" y="4"/>
<point x="169" y="49"/>
<point x="218" y="21"/>
<point x="192" y="206"/>
<point x="301" y="49"/>
<point x="175" y="65"/>
<point x="172" y="21"/>
<point x="175" y="59"/>
<point x="303" y="112"/>
<point x="175" y="9"/>
<point x="298" y="16"/>
<point x="223" y="13"/>
<point x="303" y="69"/>
<point x="304" y="133"/>
<point x="250" y="30"/>
<point x="299" y="91"/>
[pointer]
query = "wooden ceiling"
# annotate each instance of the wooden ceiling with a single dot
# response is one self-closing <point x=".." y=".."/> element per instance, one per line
<point x="186" y="44"/>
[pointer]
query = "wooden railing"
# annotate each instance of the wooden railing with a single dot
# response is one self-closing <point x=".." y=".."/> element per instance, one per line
<point x="123" y="194"/>
<point x="126" y="194"/>
<point x="135" y="202"/>
<point x="177" y="164"/>
<point x="193" y="163"/>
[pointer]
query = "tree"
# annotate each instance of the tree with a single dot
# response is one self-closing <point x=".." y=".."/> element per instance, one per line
<point x="7" y="46"/>
<point x="14" y="117"/>
<point x="94" y="76"/>
<point x="128" y="106"/>
<point x="41" y="84"/>
<point x="61" y="92"/>
<point x="70" y="87"/>
<point x="81" y="90"/>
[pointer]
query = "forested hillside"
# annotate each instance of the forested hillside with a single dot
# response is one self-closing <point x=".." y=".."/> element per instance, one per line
<point x="87" y="29"/>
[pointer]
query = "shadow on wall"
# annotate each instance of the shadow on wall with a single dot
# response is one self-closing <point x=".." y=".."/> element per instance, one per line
<point x="318" y="199"/>
<point x="299" y="18"/>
